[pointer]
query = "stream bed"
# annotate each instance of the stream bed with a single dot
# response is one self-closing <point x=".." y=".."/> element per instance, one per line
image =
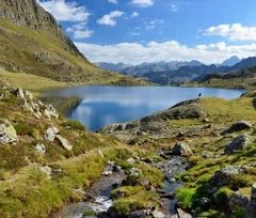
<point x="97" y="198"/>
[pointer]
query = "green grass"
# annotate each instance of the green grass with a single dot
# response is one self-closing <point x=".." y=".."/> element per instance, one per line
<point x="21" y="44"/>
<point x="128" y="199"/>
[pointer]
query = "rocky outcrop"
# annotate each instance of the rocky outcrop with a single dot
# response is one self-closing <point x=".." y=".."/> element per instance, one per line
<point x="34" y="105"/>
<point x="237" y="144"/>
<point x="157" y="125"/>
<point x="7" y="132"/>
<point x="29" y="13"/>
<point x="33" y="42"/>
<point x="186" y="111"/>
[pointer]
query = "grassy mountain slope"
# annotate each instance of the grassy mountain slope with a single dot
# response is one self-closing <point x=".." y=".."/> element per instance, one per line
<point x="32" y="42"/>
<point x="34" y="184"/>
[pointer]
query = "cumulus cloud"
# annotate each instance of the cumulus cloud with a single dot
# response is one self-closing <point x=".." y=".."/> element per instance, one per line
<point x="110" y="19"/>
<point x="113" y="1"/>
<point x="65" y="11"/>
<point x="234" y="31"/>
<point x="135" y="53"/>
<point x="134" y="14"/>
<point x="143" y="3"/>
<point x="80" y="31"/>
<point x="174" y="7"/>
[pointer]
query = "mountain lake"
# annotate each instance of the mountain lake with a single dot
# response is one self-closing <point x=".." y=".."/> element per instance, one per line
<point x="103" y="105"/>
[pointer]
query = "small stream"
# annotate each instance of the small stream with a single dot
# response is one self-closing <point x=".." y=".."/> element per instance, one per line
<point x="171" y="167"/>
<point x="97" y="198"/>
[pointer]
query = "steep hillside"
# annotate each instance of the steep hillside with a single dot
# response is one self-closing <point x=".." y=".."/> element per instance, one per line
<point x="32" y="42"/>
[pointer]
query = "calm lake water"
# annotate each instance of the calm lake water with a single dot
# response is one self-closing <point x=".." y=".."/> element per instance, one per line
<point x="104" y="105"/>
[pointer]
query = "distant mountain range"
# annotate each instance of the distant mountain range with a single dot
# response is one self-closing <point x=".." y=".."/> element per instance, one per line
<point x="175" y="72"/>
<point x="141" y="69"/>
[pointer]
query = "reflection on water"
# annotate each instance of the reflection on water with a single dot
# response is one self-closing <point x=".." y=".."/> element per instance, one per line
<point x="103" y="105"/>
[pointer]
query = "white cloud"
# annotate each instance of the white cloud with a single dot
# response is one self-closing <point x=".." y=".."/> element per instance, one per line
<point x="72" y="12"/>
<point x="152" y="24"/>
<point x="174" y="7"/>
<point x="134" y="14"/>
<point x="63" y="10"/>
<point x="135" y="53"/>
<point x="143" y="3"/>
<point x="110" y="19"/>
<point x="234" y="31"/>
<point x="80" y="31"/>
<point x="113" y="1"/>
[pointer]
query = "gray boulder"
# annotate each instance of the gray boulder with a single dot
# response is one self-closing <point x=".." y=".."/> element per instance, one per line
<point x="238" y="126"/>
<point x="237" y="144"/>
<point x="7" y="132"/>
<point x="223" y="176"/>
<point x="182" y="149"/>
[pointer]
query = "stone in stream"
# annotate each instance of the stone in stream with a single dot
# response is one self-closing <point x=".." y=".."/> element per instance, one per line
<point x="157" y="214"/>
<point x="107" y="173"/>
<point x="183" y="214"/>
<point x="182" y="149"/>
<point x="103" y="203"/>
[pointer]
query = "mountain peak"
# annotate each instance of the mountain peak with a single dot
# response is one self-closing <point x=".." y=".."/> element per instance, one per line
<point x="231" y="61"/>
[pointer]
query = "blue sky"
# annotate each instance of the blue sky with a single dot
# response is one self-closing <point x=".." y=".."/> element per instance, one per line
<point x="135" y="31"/>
